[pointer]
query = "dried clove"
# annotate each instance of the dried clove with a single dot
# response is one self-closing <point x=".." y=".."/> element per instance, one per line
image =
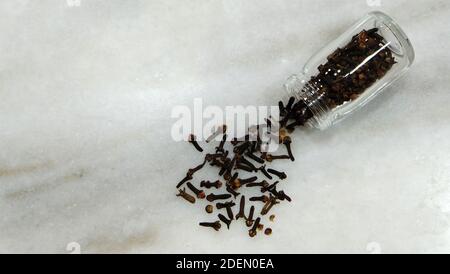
<point x="232" y="191"/>
<point x="225" y="205"/>
<point x="184" y="180"/>
<point x="254" y="157"/>
<point x="264" y="171"/>
<point x="193" y="170"/>
<point x="216" y="225"/>
<point x="241" y="213"/>
<point x="262" y="198"/>
<point x="207" y="184"/>
<point x="230" y="212"/>
<point x="198" y="192"/>
<point x="213" y="197"/>
<point x="250" y="220"/>
<point x="270" y="158"/>
<point x="252" y="232"/>
<point x="224" y="220"/>
<point x="222" y="143"/>
<point x="182" y="193"/>
<point x="287" y="142"/>
<point x="192" y="140"/>
<point x="268" y="206"/>
<point x="279" y="174"/>
<point x="248" y="180"/>
<point x="209" y="209"/>
<point x="263" y="184"/>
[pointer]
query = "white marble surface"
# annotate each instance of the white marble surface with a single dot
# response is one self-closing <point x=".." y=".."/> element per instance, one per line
<point x="85" y="151"/>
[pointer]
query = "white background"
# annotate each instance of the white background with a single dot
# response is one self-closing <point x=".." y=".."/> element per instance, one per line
<point x="86" y="156"/>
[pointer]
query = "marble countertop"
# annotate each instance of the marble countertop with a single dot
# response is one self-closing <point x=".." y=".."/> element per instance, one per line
<point x="87" y="163"/>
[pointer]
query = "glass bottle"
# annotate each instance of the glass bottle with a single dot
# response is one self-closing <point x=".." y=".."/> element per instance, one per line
<point x="317" y="92"/>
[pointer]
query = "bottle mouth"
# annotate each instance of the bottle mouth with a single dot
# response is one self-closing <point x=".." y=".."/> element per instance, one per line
<point x="399" y="42"/>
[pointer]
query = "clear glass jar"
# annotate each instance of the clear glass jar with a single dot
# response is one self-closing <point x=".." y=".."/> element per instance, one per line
<point x="317" y="91"/>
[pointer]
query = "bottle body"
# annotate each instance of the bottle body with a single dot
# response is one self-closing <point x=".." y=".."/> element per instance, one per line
<point x="351" y="70"/>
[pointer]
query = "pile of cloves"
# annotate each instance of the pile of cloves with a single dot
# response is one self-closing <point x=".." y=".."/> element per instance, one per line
<point x="345" y="75"/>
<point x="243" y="157"/>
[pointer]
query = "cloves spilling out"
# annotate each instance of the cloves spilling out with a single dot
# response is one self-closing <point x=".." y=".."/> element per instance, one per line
<point x="344" y="76"/>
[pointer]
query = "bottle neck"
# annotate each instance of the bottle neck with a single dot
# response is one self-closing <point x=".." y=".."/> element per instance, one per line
<point x="313" y="97"/>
